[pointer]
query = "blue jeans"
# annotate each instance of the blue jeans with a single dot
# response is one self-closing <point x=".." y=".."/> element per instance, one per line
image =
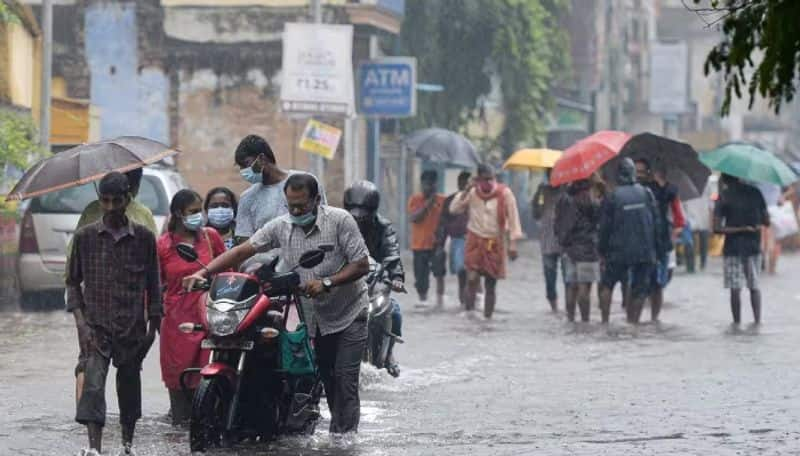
<point x="397" y="319"/>
<point x="550" y="264"/>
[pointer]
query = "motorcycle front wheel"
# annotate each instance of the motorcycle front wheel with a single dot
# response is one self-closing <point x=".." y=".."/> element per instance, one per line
<point x="209" y="411"/>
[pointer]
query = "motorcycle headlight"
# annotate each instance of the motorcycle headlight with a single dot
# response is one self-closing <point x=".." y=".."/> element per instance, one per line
<point x="377" y="302"/>
<point x="224" y="323"/>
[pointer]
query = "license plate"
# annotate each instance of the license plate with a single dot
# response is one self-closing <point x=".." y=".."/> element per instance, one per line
<point x="246" y="345"/>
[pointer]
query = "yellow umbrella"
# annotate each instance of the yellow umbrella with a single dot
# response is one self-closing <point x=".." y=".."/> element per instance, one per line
<point x="527" y="159"/>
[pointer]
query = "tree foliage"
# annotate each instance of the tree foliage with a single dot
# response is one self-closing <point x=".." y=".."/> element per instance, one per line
<point x="760" y="49"/>
<point x="466" y="44"/>
<point x="7" y="14"/>
<point x="18" y="142"/>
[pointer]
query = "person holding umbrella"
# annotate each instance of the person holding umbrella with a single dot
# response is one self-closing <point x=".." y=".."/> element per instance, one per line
<point x="115" y="296"/>
<point x="666" y="196"/>
<point x="493" y="217"/>
<point x="739" y="214"/>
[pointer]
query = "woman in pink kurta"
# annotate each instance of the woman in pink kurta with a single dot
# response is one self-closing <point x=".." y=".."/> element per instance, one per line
<point x="180" y="351"/>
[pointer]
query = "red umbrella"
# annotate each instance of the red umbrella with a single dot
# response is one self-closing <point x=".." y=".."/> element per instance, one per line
<point x="587" y="156"/>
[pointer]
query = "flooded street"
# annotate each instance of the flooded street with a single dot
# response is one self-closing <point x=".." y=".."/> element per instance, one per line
<point x="525" y="383"/>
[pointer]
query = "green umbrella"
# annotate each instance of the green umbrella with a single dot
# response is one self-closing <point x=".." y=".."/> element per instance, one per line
<point x="748" y="162"/>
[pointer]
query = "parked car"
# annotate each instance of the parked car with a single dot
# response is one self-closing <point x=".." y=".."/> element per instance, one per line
<point x="49" y="222"/>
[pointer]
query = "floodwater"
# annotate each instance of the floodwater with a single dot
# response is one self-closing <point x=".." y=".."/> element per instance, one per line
<point x="525" y="383"/>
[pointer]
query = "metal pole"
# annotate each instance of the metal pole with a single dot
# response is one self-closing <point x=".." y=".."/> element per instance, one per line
<point x="317" y="162"/>
<point x="47" y="72"/>
<point x="402" y="185"/>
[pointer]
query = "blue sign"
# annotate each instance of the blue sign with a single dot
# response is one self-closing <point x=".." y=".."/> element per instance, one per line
<point x="387" y="87"/>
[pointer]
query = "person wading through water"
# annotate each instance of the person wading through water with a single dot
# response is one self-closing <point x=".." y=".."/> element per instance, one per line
<point x="493" y="216"/>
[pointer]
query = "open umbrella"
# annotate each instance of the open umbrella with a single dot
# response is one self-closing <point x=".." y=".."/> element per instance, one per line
<point x="679" y="161"/>
<point x="586" y="156"/>
<point x="748" y="162"/>
<point x="527" y="159"/>
<point x="87" y="163"/>
<point x="442" y="146"/>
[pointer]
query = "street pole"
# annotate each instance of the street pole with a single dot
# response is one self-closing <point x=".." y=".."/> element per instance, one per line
<point x="317" y="162"/>
<point x="47" y="72"/>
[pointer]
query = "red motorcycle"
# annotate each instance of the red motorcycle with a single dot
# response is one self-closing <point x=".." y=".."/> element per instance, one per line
<point x="247" y="390"/>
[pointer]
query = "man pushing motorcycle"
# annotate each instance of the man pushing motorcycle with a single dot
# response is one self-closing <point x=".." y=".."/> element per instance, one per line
<point x="336" y="289"/>
<point x="362" y="200"/>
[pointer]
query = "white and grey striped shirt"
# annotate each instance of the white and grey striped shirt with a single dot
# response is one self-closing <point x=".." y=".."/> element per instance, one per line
<point x="335" y="311"/>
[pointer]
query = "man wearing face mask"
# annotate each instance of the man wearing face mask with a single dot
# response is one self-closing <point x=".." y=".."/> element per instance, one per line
<point x="492" y="229"/>
<point x="112" y="272"/>
<point x="265" y="199"/>
<point x="362" y="200"/>
<point x="336" y="289"/>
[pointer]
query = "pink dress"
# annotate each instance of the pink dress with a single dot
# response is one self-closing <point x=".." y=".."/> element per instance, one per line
<point x="180" y="351"/>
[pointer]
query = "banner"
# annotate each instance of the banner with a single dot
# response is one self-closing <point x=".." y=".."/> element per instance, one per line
<point x="669" y="70"/>
<point x="317" y="71"/>
<point x="321" y="139"/>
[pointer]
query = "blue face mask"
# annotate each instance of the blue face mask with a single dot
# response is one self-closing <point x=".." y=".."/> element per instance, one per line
<point x="193" y="222"/>
<point x="303" y="220"/>
<point x="250" y="176"/>
<point x="220" y="217"/>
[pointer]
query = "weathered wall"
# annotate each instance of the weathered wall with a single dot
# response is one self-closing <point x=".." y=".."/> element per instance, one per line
<point x="133" y="99"/>
<point x="215" y="113"/>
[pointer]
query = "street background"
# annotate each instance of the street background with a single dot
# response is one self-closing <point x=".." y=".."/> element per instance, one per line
<point x="525" y="383"/>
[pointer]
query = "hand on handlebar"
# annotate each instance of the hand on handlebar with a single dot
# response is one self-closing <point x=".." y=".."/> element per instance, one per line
<point x="398" y="286"/>
<point x="194" y="282"/>
<point x="313" y="288"/>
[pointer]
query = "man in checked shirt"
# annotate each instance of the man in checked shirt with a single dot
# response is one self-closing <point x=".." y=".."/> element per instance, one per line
<point x="112" y="271"/>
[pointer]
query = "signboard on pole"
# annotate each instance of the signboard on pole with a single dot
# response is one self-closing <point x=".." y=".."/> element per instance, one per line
<point x="387" y="87"/>
<point x="321" y="139"/>
<point x="669" y="66"/>
<point x="317" y="72"/>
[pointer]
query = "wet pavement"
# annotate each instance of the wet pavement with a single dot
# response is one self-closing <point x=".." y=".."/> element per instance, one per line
<point x="525" y="383"/>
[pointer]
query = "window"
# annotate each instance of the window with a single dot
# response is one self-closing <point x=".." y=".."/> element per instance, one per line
<point x="74" y="200"/>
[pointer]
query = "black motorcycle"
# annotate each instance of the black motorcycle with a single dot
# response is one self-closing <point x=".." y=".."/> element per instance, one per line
<point x="380" y="338"/>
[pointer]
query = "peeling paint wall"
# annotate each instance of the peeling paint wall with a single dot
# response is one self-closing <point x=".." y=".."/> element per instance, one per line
<point x="133" y="100"/>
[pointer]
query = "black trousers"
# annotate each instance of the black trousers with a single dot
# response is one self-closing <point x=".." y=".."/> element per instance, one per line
<point x="339" y="359"/>
<point x="425" y="263"/>
<point x="92" y="406"/>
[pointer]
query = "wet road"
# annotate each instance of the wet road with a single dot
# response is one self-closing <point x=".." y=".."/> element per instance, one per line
<point x="524" y="383"/>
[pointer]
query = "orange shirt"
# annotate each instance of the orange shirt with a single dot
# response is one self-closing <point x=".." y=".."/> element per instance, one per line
<point x="423" y="234"/>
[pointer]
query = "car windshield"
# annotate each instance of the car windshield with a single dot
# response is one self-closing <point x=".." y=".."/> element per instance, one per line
<point x="74" y="200"/>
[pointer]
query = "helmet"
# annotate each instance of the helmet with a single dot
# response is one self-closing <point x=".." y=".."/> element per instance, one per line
<point x="362" y="200"/>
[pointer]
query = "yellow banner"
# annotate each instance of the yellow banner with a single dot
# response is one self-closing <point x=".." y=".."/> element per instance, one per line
<point x="321" y="139"/>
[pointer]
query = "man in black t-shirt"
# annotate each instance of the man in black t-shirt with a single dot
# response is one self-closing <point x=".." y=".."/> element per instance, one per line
<point x="739" y="214"/>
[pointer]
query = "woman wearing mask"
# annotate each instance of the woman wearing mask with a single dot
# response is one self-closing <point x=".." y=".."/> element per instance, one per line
<point x="220" y="207"/>
<point x="180" y="351"/>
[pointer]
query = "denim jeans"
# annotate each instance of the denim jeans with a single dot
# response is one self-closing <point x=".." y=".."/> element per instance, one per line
<point x="550" y="263"/>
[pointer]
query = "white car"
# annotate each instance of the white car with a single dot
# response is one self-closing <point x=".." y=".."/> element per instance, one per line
<point x="49" y="222"/>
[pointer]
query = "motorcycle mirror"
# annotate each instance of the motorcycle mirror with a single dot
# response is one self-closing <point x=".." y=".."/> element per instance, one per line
<point x="311" y="258"/>
<point x="186" y="252"/>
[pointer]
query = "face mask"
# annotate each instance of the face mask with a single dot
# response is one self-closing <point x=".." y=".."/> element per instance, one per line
<point x="251" y="175"/>
<point x="487" y="187"/>
<point x="220" y="217"/>
<point x="193" y="222"/>
<point x="303" y="220"/>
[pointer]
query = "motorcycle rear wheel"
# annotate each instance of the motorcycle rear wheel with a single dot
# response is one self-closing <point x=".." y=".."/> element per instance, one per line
<point x="209" y="412"/>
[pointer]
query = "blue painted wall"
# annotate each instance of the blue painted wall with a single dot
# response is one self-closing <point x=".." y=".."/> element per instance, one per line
<point x="131" y="102"/>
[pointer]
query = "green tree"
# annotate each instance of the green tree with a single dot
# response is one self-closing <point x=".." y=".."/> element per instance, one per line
<point x="760" y="49"/>
<point x="7" y="14"/>
<point x="464" y="44"/>
<point x="18" y="143"/>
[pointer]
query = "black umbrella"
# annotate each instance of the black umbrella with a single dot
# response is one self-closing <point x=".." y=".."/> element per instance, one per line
<point x="87" y="163"/>
<point x="442" y="146"/>
<point x="678" y="160"/>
